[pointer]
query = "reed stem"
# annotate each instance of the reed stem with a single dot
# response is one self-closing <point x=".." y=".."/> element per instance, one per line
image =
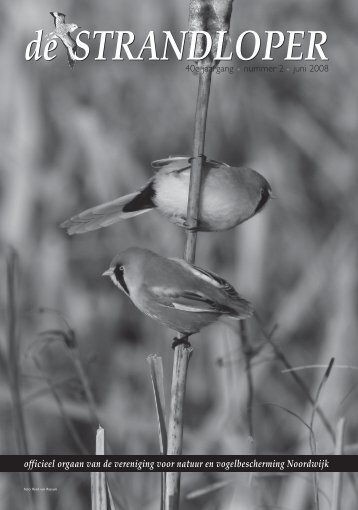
<point x="196" y="165"/>
<point x="182" y="353"/>
<point x="13" y="345"/>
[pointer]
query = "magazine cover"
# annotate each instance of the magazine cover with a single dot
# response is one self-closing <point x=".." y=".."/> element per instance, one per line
<point x="178" y="256"/>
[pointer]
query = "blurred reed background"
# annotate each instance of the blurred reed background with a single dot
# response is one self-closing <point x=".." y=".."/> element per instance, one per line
<point x="70" y="140"/>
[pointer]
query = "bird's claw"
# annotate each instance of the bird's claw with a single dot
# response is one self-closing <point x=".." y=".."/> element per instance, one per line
<point x="191" y="229"/>
<point x="181" y="222"/>
<point x="181" y="341"/>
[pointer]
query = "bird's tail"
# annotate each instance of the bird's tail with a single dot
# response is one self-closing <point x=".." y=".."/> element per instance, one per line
<point x="71" y="56"/>
<point x="242" y="308"/>
<point x="109" y="213"/>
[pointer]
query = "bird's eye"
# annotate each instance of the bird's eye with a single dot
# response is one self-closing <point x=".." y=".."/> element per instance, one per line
<point x="119" y="269"/>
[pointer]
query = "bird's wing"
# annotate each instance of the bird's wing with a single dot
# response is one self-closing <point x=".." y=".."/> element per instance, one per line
<point x="237" y="307"/>
<point x="188" y="301"/>
<point x="71" y="47"/>
<point x="209" y="277"/>
<point x="190" y="296"/>
<point x="181" y="163"/>
<point x="173" y="164"/>
<point x="216" y="164"/>
<point x="58" y="17"/>
<point x="69" y="42"/>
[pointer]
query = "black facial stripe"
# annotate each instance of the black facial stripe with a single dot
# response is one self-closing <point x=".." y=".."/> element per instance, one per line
<point x="265" y="195"/>
<point x="119" y="274"/>
<point x="142" y="201"/>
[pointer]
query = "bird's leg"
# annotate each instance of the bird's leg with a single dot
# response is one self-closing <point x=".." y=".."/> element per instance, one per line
<point x="182" y="340"/>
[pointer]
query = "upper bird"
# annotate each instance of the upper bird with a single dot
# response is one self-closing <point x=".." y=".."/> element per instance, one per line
<point x="63" y="31"/>
<point x="229" y="196"/>
<point x="179" y="295"/>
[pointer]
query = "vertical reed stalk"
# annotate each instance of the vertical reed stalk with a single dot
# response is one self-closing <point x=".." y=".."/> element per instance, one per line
<point x="76" y="358"/>
<point x="14" y="354"/>
<point x="338" y="477"/>
<point x="182" y="353"/>
<point x="13" y="346"/>
<point x="247" y="351"/>
<point x="196" y="164"/>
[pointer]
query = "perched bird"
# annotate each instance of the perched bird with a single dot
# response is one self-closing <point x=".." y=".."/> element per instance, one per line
<point x="177" y="294"/>
<point x="63" y="31"/>
<point x="229" y="196"/>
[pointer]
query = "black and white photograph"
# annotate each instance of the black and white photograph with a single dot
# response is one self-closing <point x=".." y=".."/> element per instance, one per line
<point x="179" y="255"/>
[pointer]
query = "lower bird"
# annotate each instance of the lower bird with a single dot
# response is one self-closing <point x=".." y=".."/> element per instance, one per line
<point x="177" y="294"/>
<point x="229" y="196"/>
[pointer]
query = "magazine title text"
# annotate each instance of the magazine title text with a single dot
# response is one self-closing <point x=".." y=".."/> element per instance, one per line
<point x="297" y="45"/>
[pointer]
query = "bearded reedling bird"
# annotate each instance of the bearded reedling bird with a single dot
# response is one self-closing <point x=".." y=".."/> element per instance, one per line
<point x="229" y="196"/>
<point x="175" y="293"/>
<point x="63" y="31"/>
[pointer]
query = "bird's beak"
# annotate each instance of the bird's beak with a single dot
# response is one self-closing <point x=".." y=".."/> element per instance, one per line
<point x="109" y="272"/>
<point x="272" y="195"/>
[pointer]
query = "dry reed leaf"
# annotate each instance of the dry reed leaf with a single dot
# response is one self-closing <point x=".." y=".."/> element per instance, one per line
<point x="110" y="497"/>
<point x="208" y="489"/>
<point x="156" y="373"/>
